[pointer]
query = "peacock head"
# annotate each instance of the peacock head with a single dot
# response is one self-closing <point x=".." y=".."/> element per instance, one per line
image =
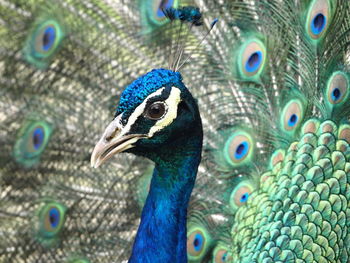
<point x="155" y="112"/>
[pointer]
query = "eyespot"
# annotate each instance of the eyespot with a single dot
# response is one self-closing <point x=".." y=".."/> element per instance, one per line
<point x="252" y="58"/>
<point x="238" y="148"/>
<point x="43" y="42"/>
<point x="32" y="140"/>
<point x="154" y="10"/>
<point x="46" y="38"/>
<point x="240" y="195"/>
<point x="292" y="115"/>
<point x="318" y="18"/>
<point x="52" y="217"/>
<point x="337" y="88"/>
<point x="156" y="110"/>
<point x="221" y="255"/>
<point x="38" y="138"/>
<point x="197" y="243"/>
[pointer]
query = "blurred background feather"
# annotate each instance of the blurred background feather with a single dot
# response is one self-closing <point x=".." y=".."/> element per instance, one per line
<point x="266" y="69"/>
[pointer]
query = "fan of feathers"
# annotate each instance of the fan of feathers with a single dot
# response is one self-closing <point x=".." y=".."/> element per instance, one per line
<point x="271" y="80"/>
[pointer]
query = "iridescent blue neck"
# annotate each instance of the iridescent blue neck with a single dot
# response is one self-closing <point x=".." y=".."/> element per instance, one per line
<point x="162" y="233"/>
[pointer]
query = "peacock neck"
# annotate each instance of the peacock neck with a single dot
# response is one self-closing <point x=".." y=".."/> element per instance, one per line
<point x="161" y="235"/>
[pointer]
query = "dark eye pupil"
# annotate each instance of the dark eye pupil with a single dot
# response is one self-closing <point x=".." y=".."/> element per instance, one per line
<point x="293" y="118"/>
<point x="336" y="93"/>
<point x="196" y="242"/>
<point x="46" y="39"/>
<point x="38" y="137"/>
<point x="244" y="197"/>
<point x="156" y="110"/>
<point x="240" y="149"/>
<point x="319" y="22"/>
<point x="224" y="257"/>
<point x="52" y="219"/>
<point x="253" y="59"/>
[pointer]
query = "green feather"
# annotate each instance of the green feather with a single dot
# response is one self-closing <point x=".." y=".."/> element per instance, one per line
<point x="31" y="142"/>
<point x="50" y="222"/>
<point x="284" y="199"/>
<point x="43" y="42"/>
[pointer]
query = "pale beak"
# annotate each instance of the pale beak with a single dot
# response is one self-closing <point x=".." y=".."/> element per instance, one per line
<point x="113" y="141"/>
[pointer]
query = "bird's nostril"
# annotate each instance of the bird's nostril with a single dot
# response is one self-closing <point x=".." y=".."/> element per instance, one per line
<point x="112" y="135"/>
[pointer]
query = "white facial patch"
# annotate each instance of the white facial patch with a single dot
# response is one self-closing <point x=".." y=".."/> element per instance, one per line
<point x="139" y="111"/>
<point x="172" y="101"/>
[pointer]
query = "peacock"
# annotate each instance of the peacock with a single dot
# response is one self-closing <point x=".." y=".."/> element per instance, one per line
<point x="233" y="117"/>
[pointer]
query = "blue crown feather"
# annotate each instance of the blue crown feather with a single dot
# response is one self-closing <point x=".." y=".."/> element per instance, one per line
<point x="185" y="14"/>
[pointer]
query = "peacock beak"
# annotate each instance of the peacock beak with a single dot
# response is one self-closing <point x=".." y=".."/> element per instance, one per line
<point x="114" y="140"/>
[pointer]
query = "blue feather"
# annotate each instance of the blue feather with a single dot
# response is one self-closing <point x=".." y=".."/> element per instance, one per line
<point x="162" y="233"/>
<point x="185" y="14"/>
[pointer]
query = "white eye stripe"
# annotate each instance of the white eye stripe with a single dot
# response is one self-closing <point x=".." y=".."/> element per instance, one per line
<point x="172" y="102"/>
<point x="139" y="111"/>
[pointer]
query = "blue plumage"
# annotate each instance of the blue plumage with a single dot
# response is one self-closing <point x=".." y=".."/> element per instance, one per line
<point x="188" y="14"/>
<point x="38" y="137"/>
<point x="273" y="88"/>
<point x="318" y="24"/>
<point x="254" y="61"/>
<point x="198" y="242"/>
<point x="139" y="128"/>
<point x="48" y="38"/>
<point x="163" y="6"/>
<point x="139" y="89"/>
<point x="162" y="233"/>
<point x="54" y="217"/>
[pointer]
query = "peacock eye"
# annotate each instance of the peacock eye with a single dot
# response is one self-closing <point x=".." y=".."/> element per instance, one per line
<point x="292" y="115"/>
<point x="32" y="140"/>
<point x="38" y="137"/>
<point x="52" y="217"/>
<point x="46" y="41"/>
<point x="43" y="42"/>
<point x="221" y="256"/>
<point x="240" y="194"/>
<point x="156" y="110"/>
<point x="252" y="58"/>
<point x="318" y="18"/>
<point x="49" y="37"/>
<point x="196" y="243"/>
<point x="337" y="88"/>
<point x="238" y="148"/>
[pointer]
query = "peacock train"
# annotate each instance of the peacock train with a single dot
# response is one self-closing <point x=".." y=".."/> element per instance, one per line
<point x="152" y="131"/>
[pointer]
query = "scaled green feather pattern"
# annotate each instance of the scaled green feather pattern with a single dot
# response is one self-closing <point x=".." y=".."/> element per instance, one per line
<point x="300" y="213"/>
